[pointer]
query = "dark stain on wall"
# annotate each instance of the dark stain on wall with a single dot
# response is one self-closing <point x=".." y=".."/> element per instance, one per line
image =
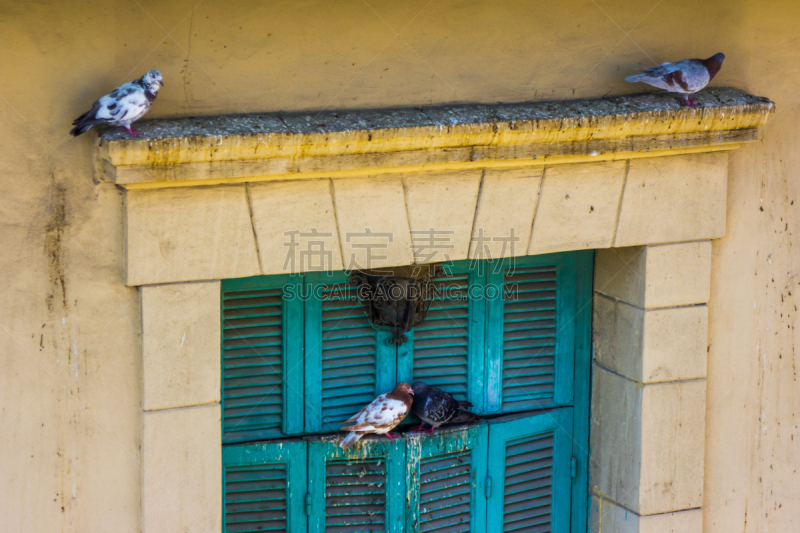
<point x="53" y="244"/>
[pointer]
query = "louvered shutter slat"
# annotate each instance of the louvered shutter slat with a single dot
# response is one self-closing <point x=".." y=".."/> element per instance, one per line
<point x="443" y="472"/>
<point x="526" y="289"/>
<point x="441" y="341"/>
<point x="261" y="379"/>
<point x="446" y="348"/>
<point x="531" y="333"/>
<point x="347" y="360"/>
<point x="361" y="489"/>
<point x="264" y="487"/>
<point x="529" y="464"/>
<point x="348" y="356"/>
<point x="260" y="358"/>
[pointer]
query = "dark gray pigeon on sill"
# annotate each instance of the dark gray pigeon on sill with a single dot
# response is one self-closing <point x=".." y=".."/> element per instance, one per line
<point x="437" y="407"/>
<point x="123" y="106"/>
<point x="683" y="77"/>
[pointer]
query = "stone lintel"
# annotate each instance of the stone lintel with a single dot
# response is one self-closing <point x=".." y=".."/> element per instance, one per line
<point x="234" y="148"/>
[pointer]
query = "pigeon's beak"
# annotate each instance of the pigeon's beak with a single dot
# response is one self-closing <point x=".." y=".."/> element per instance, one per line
<point x="411" y="392"/>
<point x="161" y="83"/>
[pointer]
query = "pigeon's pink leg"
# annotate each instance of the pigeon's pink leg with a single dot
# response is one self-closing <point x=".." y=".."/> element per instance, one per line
<point x="390" y="436"/>
<point x="132" y="131"/>
<point x="688" y="101"/>
<point x="430" y="431"/>
<point x="419" y="428"/>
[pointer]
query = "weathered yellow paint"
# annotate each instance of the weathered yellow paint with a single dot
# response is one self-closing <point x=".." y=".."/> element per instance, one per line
<point x="188" y="178"/>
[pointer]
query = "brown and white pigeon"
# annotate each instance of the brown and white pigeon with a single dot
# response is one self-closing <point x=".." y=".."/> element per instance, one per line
<point x="381" y="416"/>
<point x="684" y="77"/>
<point x="437" y="407"/>
<point x="123" y="106"/>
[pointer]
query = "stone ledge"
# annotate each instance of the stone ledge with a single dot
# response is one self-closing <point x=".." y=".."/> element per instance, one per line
<point x="226" y="149"/>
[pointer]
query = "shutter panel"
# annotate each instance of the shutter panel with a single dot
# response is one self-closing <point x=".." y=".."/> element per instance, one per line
<point x="532" y="333"/>
<point x="361" y="489"/>
<point x="447" y="346"/>
<point x="264" y="487"/>
<point x="348" y="362"/>
<point x="529" y="466"/>
<point x="261" y="354"/>
<point x="445" y="474"/>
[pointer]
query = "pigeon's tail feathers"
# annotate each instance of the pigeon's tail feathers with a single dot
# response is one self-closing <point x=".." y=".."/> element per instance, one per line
<point x="350" y="439"/>
<point x="85" y="121"/>
<point x="463" y="417"/>
<point x="635" y="78"/>
<point x="465" y="405"/>
<point x="81" y="128"/>
<point x="82" y="118"/>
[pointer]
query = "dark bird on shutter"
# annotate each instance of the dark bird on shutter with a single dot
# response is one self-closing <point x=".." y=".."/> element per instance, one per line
<point x="684" y="77"/>
<point x="123" y="106"/>
<point x="381" y="416"/>
<point x="437" y="407"/>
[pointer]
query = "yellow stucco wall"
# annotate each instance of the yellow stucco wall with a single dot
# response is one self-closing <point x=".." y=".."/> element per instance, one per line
<point x="70" y="386"/>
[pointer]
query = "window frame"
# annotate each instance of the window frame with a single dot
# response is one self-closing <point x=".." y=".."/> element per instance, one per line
<point x="574" y="284"/>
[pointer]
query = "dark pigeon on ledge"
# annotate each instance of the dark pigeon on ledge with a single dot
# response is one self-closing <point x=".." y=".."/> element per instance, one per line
<point x="683" y="77"/>
<point x="123" y="106"/>
<point x="437" y="407"/>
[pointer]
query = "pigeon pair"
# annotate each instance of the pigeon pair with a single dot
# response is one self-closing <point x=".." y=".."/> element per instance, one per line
<point x="129" y="102"/>
<point x="384" y="413"/>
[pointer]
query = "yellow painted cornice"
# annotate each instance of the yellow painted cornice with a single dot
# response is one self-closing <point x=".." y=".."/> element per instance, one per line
<point x="236" y="148"/>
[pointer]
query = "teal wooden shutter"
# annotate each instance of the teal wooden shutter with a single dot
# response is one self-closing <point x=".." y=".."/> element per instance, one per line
<point x="582" y="383"/>
<point x="262" y="359"/>
<point x="531" y="333"/>
<point x="361" y="489"/>
<point x="264" y="487"/>
<point x="448" y="348"/>
<point x="348" y="362"/>
<point x="444" y="479"/>
<point x="529" y="468"/>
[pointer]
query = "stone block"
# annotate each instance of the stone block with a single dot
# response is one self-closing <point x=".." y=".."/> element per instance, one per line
<point x="647" y="443"/>
<point x="673" y="199"/>
<point x="675" y="343"/>
<point x="182" y="470"/>
<point x="618" y="336"/>
<point x="188" y="234"/>
<point x="673" y="447"/>
<point x="577" y="207"/>
<point x="656" y="276"/>
<point x="441" y="210"/>
<point x="678" y="274"/>
<point x="373" y="222"/>
<point x="295" y="225"/>
<point x="507" y="202"/>
<point x="653" y="345"/>
<point x="616" y="437"/>
<point x="180" y="344"/>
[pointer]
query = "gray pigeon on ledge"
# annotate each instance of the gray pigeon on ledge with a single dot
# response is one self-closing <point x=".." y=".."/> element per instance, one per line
<point x="437" y="407"/>
<point x="125" y="105"/>
<point x="684" y="77"/>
